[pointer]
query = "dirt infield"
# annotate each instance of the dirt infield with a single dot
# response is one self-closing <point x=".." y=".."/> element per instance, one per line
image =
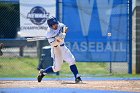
<point x="123" y="85"/>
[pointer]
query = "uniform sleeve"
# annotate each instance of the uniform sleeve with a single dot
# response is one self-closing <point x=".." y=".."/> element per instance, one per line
<point x="63" y="28"/>
<point x="51" y="40"/>
<point x="61" y="24"/>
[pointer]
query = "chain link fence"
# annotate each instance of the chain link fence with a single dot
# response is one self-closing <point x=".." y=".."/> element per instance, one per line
<point x="21" y="58"/>
<point x="9" y="15"/>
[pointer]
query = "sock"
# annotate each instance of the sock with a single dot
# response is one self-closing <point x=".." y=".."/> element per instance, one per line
<point x="48" y="70"/>
<point x="74" y="70"/>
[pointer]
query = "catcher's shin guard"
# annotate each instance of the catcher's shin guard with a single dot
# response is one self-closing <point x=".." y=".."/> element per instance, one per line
<point x="40" y="76"/>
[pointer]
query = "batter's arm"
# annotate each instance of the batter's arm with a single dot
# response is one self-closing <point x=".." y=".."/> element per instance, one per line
<point x="65" y="29"/>
<point x="54" y="42"/>
<point x="62" y="34"/>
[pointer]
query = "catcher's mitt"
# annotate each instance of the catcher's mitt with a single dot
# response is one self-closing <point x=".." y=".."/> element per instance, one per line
<point x="1" y="46"/>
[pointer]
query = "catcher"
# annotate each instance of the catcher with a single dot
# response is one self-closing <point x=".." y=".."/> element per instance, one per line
<point x="56" y="34"/>
<point x="1" y="46"/>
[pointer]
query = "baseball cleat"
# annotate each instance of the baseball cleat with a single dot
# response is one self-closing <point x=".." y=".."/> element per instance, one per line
<point x="40" y="76"/>
<point x="78" y="80"/>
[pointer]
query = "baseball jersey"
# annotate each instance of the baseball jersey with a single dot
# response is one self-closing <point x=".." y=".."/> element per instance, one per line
<point x="51" y="35"/>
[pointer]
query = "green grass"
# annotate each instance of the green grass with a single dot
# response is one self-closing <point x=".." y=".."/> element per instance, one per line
<point x="87" y="68"/>
<point x="18" y="67"/>
<point x="27" y="67"/>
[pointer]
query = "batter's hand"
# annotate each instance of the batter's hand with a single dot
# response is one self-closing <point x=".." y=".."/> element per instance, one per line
<point x="62" y="35"/>
<point x="65" y="29"/>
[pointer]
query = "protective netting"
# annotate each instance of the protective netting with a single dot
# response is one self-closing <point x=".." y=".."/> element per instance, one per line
<point x="97" y="36"/>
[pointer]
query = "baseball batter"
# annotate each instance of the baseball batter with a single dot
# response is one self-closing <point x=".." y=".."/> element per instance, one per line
<point x="59" y="52"/>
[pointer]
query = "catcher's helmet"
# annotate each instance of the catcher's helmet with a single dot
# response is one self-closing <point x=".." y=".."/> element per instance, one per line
<point x="51" y="21"/>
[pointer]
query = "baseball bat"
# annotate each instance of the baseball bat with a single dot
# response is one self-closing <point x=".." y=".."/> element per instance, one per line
<point x="31" y="39"/>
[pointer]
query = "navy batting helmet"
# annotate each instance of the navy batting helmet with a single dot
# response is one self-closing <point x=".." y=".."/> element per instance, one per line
<point x="51" y="21"/>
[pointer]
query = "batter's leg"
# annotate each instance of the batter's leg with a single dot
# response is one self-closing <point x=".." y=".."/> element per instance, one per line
<point x="69" y="58"/>
<point x="58" y="61"/>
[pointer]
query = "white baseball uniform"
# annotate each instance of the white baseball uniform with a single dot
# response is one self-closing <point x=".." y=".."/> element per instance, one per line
<point x="59" y="51"/>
